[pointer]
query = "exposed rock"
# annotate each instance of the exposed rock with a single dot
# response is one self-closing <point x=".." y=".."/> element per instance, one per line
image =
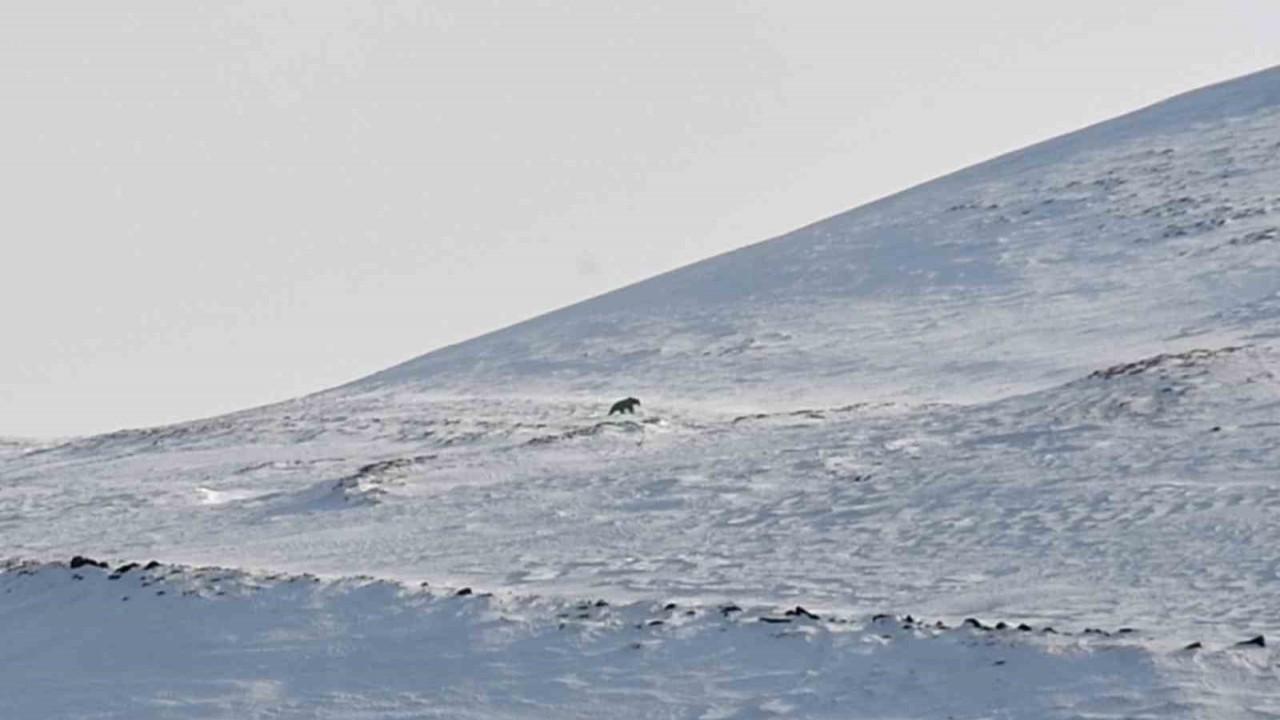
<point x="1190" y="357"/>
<point x="799" y="611"/>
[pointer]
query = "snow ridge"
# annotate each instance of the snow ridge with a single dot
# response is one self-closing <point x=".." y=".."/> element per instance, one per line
<point x="380" y="649"/>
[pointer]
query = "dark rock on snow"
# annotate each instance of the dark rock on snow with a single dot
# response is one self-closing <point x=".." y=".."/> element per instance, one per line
<point x="799" y="611"/>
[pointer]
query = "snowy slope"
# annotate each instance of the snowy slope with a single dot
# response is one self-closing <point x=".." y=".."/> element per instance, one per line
<point x="374" y="649"/>
<point x="1043" y="390"/>
<point x="1122" y="240"/>
<point x="12" y="446"/>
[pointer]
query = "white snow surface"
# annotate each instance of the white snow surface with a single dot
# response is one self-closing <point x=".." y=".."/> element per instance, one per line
<point x="1042" y="390"/>
<point x="1149" y="233"/>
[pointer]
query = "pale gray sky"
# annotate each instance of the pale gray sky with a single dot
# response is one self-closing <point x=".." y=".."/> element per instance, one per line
<point x="208" y="206"/>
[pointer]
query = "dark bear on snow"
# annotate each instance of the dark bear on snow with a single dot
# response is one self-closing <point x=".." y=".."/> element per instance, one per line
<point x="625" y="406"/>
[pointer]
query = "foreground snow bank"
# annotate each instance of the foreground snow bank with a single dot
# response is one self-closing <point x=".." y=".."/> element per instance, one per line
<point x="206" y="642"/>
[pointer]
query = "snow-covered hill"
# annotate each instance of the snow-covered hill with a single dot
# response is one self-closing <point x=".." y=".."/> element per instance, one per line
<point x="1043" y="390"/>
<point x="1153" y="232"/>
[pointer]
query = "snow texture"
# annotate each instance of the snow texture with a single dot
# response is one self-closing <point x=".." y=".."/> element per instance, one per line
<point x="1040" y="391"/>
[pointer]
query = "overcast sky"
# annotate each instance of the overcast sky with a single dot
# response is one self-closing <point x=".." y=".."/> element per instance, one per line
<point x="208" y="206"/>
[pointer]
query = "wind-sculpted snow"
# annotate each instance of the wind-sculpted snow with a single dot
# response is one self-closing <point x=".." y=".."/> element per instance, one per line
<point x="1042" y="390"/>
<point x="1140" y="495"/>
<point x="164" y="641"/>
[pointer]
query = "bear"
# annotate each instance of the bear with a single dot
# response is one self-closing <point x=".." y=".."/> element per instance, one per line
<point x="627" y="405"/>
